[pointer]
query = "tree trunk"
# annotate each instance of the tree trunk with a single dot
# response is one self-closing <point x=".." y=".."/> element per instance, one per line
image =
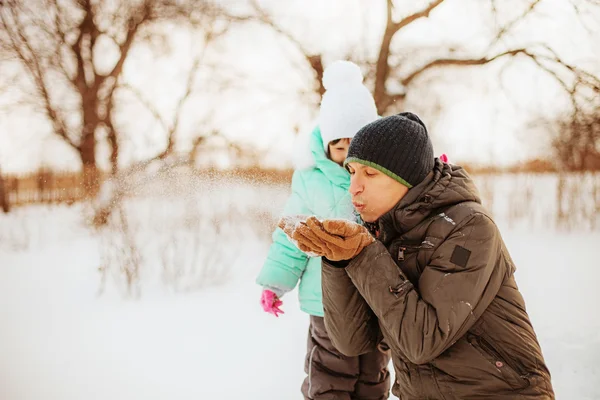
<point x="114" y="151"/>
<point x="316" y="63"/>
<point x="111" y="133"/>
<point x="382" y="72"/>
<point x="87" y="153"/>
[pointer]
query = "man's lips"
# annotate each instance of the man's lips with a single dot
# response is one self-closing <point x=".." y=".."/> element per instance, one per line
<point x="358" y="206"/>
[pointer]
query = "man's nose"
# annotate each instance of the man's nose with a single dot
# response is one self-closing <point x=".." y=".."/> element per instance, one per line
<point x="356" y="186"/>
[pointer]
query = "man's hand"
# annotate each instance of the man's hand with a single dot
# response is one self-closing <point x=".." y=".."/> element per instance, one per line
<point x="334" y="239"/>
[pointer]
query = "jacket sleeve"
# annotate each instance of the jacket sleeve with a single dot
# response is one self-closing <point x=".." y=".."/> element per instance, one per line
<point x="454" y="289"/>
<point x="285" y="263"/>
<point x="350" y="323"/>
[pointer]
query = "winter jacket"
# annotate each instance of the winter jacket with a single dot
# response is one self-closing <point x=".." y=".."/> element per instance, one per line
<point x="320" y="190"/>
<point x="438" y="288"/>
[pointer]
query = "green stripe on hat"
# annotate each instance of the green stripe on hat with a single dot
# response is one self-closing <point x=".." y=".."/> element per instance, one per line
<point x="378" y="168"/>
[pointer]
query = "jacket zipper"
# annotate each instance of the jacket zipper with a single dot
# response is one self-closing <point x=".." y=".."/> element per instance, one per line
<point x="403" y="248"/>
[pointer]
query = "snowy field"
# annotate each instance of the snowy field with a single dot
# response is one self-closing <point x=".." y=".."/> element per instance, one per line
<point x="166" y="307"/>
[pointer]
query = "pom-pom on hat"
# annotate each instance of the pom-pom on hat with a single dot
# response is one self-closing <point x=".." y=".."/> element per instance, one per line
<point x="347" y="104"/>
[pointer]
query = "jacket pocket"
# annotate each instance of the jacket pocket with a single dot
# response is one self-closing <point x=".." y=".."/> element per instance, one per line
<point x="405" y="255"/>
<point x="508" y="370"/>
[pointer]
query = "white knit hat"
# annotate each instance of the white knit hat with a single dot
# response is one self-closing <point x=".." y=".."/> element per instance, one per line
<point x="347" y="104"/>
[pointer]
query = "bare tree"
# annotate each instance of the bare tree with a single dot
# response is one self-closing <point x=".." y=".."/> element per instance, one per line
<point x="576" y="142"/>
<point x="392" y="81"/>
<point x="62" y="46"/>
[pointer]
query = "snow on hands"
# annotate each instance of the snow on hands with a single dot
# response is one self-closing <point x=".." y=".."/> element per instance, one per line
<point x="334" y="239"/>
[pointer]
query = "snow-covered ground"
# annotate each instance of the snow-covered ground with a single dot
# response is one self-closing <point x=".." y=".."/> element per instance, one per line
<point x="62" y="340"/>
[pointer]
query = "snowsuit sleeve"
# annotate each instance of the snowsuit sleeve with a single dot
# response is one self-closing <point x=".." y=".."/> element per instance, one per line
<point x="285" y="263"/>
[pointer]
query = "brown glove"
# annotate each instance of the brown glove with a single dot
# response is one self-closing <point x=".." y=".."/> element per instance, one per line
<point x="300" y="234"/>
<point x="334" y="239"/>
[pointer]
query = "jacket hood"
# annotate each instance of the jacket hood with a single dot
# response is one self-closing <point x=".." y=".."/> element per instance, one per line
<point x="445" y="186"/>
<point x="311" y="154"/>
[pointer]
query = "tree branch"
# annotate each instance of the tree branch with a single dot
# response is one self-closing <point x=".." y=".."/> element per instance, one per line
<point x="79" y="78"/>
<point x="58" y="27"/>
<point x="31" y="62"/>
<point x="424" y="13"/>
<point x="144" y="102"/>
<point x="506" y="28"/>
<point x="134" y="25"/>
<point x="494" y="10"/>
<point x="188" y="91"/>
<point x="447" y="62"/>
<point x="541" y="60"/>
<point x="92" y="32"/>
<point x="265" y="18"/>
<point x="382" y="67"/>
<point x="579" y="13"/>
<point x="314" y="60"/>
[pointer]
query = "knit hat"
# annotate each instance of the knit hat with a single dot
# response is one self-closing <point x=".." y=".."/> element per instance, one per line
<point x="347" y="105"/>
<point x="398" y="145"/>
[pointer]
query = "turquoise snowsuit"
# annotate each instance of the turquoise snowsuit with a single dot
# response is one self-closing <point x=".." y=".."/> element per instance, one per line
<point x="320" y="190"/>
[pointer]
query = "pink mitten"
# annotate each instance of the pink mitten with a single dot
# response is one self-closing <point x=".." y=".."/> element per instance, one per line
<point x="444" y="158"/>
<point x="270" y="302"/>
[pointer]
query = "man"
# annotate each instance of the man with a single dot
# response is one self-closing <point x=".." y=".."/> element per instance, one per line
<point x="429" y="276"/>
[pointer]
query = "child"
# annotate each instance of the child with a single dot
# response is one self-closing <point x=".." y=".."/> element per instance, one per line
<point x="322" y="190"/>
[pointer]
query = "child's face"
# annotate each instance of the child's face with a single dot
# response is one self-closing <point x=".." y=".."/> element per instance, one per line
<point x="339" y="151"/>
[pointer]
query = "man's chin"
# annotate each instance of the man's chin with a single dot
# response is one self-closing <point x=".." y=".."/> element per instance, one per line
<point x="367" y="218"/>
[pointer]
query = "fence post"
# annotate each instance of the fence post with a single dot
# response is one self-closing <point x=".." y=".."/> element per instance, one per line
<point x="4" y="195"/>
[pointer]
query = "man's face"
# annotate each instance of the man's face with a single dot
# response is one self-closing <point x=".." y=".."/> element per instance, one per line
<point x="373" y="193"/>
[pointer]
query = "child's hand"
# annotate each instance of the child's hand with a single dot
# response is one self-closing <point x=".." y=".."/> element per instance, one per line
<point x="270" y="303"/>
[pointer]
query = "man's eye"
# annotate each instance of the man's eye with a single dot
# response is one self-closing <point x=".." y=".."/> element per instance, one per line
<point x="340" y="149"/>
<point x="368" y="173"/>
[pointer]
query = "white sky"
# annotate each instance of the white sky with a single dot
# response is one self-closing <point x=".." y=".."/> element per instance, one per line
<point x="479" y="116"/>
